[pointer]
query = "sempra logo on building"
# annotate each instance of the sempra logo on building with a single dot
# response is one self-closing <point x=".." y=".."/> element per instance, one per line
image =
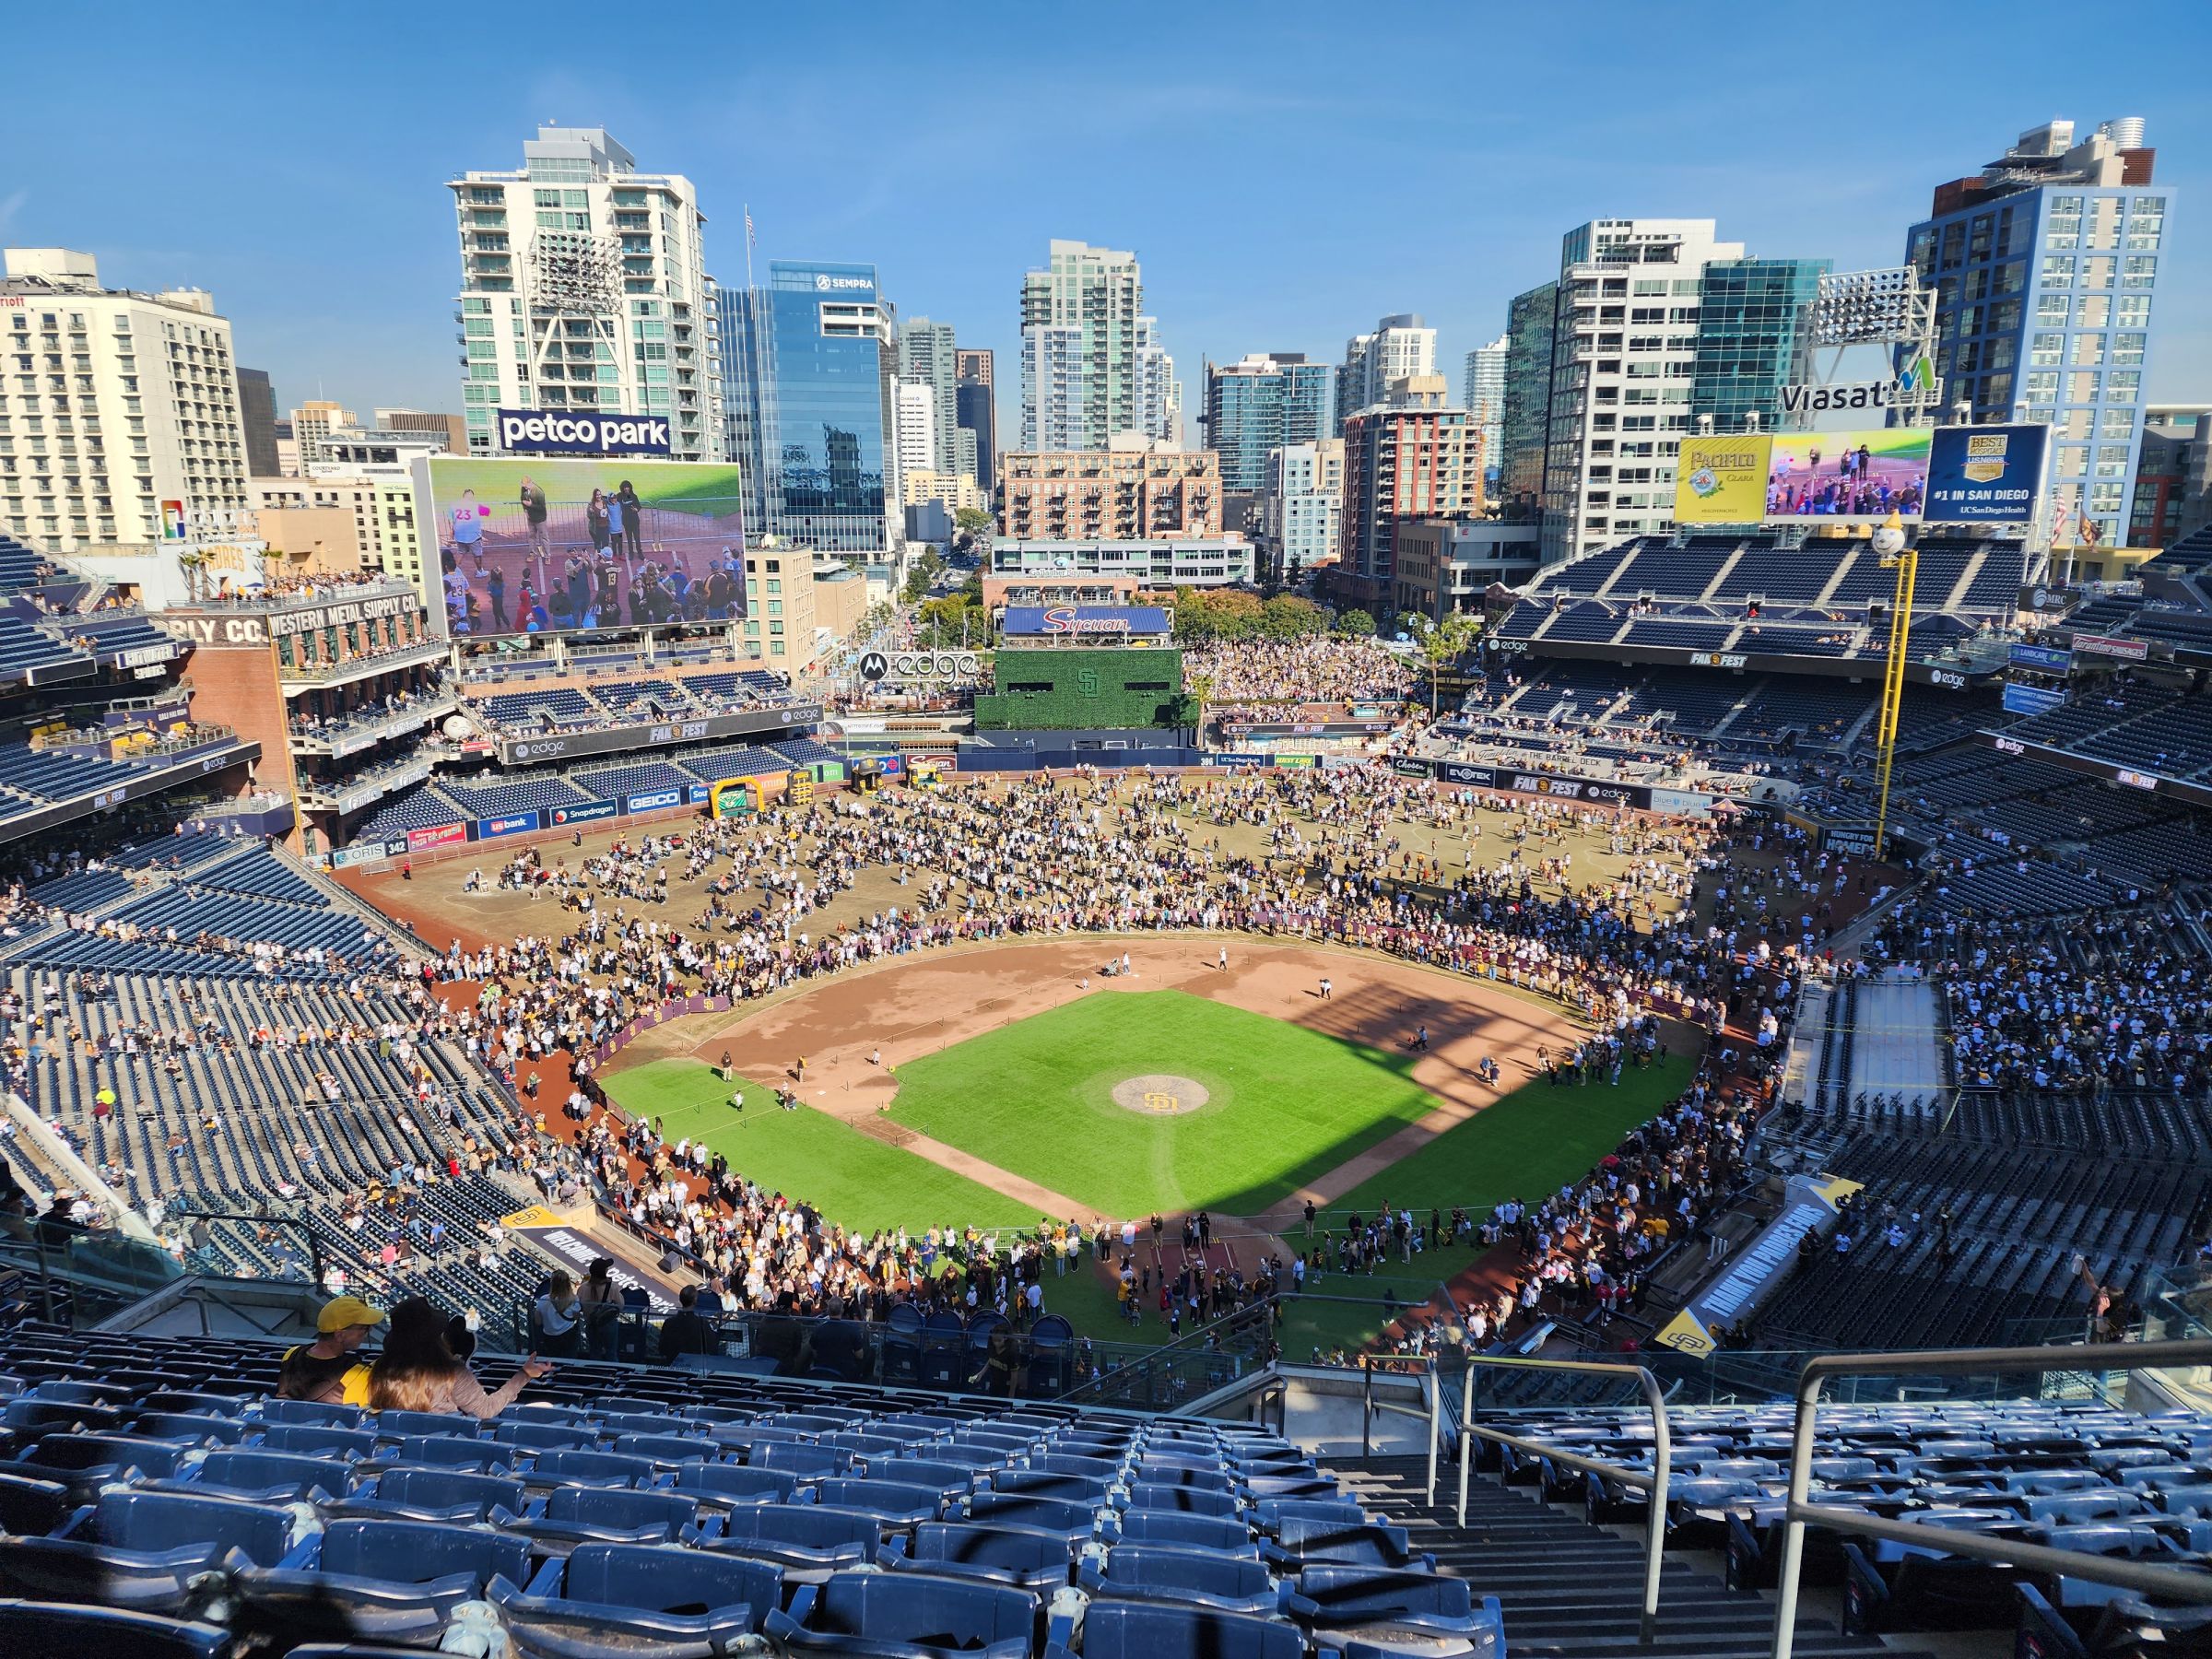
<point x="541" y="431"/>
<point x="825" y="282"/>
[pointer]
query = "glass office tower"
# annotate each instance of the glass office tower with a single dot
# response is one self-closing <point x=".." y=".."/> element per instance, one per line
<point x="811" y="364"/>
<point x="1749" y="311"/>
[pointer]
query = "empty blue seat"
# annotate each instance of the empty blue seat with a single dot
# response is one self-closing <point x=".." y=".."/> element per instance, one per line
<point x="456" y="1451"/>
<point x="809" y="1541"/>
<point x="1364" y="1611"/>
<point x="812" y="1463"/>
<point x="1061" y="1515"/>
<point x="29" y="1505"/>
<point x="84" y="1462"/>
<point x="738" y="1483"/>
<point x="1005" y="1555"/>
<point x="1196" y="1532"/>
<point x="189" y="1427"/>
<point x="318" y="1440"/>
<point x="274" y="1475"/>
<point x="1137" y="1630"/>
<point x="626" y="1601"/>
<point x="898" y="1503"/>
<point x="403" y="1425"/>
<point x="145" y="1551"/>
<point x="1270" y="1514"/>
<point x="1089" y="1490"/>
<point x="385" y="1580"/>
<point x="310" y="1411"/>
<point x="30" y="1629"/>
<point x="455" y="1495"/>
<point x="911" y="1614"/>
<point x="1187" y="1577"/>
<point x="1190" y="1500"/>
<point x="1368" y="1545"/>
<point x="607" y="1516"/>
<point x="668" y="1450"/>
<point x="547" y="1437"/>
<point x="589" y="1468"/>
<point x="949" y="1478"/>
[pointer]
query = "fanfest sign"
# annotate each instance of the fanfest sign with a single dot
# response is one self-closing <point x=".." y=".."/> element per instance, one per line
<point x="572" y="432"/>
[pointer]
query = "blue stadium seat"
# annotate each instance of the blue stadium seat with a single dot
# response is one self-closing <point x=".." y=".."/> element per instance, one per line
<point x="898" y="1503"/>
<point x="1365" y="1611"/>
<point x="1003" y="1555"/>
<point x="809" y="1541"/>
<point x="736" y="1483"/>
<point x="911" y="1615"/>
<point x="1184" y="1576"/>
<point x="147" y="1551"/>
<point x="1132" y="1629"/>
<point x="1191" y="1532"/>
<point x="577" y="1514"/>
<point x="1068" y="1518"/>
<point x="454" y="1495"/>
<point x="382" y="1579"/>
<point x="31" y="1630"/>
<point x="273" y="1477"/>
<point x="623" y="1601"/>
<point x="589" y="1468"/>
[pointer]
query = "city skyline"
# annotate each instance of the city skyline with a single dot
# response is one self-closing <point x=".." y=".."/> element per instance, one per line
<point x="352" y="295"/>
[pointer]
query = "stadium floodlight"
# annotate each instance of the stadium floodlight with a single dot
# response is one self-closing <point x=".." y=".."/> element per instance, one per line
<point x="1859" y="308"/>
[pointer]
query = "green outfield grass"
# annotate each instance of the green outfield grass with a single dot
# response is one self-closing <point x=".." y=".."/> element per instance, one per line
<point x="1286" y="1104"/>
<point x="807" y="1155"/>
<point x="1528" y="1144"/>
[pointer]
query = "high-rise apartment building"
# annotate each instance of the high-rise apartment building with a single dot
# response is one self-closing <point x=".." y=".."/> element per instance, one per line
<point x="1412" y="456"/>
<point x="1397" y="348"/>
<point x="1134" y="491"/>
<point x="1301" y="505"/>
<point x="2174" y="475"/>
<point x="1530" y="320"/>
<point x="584" y="286"/>
<point x="112" y="403"/>
<point x="2045" y="265"/>
<point x="1622" y="333"/>
<point x="1159" y="394"/>
<point x="1081" y="329"/>
<point x="316" y="422"/>
<point x="976" y="400"/>
<point x="1260" y="403"/>
<point x="915" y="417"/>
<point x="451" y="428"/>
<point x="809" y="373"/>
<point x="257" y="411"/>
<point x="1484" y="396"/>
<point x="927" y="354"/>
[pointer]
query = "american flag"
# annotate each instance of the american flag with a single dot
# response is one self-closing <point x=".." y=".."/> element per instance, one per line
<point x="749" y="241"/>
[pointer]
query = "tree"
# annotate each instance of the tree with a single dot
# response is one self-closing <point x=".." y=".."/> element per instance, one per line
<point x="973" y="519"/>
<point x="1446" y="644"/>
<point x="1288" y="617"/>
<point x="1354" y="625"/>
<point x="924" y="571"/>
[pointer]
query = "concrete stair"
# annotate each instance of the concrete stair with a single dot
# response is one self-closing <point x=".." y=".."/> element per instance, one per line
<point x="1573" y="1590"/>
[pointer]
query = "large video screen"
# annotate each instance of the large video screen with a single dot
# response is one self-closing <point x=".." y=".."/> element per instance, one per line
<point x="1821" y="477"/>
<point x="547" y="547"/>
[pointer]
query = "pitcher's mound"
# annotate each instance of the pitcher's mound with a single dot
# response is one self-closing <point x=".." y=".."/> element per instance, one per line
<point x="1161" y="1094"/>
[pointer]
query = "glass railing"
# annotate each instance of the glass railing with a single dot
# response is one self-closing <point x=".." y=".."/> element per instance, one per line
<point x="74" y="1278"/>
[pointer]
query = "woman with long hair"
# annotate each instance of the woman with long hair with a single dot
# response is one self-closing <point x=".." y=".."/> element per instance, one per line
<point x="418" y="1370"/>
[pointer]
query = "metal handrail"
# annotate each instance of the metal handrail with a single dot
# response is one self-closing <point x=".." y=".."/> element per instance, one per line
<point x="1432" y="1387"/>
<point x="2182" y="1583"/>
<point x="1654" y="1483"/>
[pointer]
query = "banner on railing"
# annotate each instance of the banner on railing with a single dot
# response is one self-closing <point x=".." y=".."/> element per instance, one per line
<point x="579" y="1249"/>
<point x="1809" y="1203"/>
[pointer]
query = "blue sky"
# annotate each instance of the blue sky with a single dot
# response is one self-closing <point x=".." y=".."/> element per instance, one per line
<point x="1286" y="172"/>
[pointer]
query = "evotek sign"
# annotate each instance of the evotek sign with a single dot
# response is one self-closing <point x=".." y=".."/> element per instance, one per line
<point x="543" y="433"/>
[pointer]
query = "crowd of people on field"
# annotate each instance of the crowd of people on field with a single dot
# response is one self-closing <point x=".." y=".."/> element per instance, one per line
<point x="1318" y="668"/>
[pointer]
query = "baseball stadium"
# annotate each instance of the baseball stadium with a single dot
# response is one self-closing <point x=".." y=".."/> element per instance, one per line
<point x="1174" y="1121"/>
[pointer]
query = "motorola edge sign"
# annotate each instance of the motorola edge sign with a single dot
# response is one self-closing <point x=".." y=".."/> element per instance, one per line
<point x="561" y="432"/>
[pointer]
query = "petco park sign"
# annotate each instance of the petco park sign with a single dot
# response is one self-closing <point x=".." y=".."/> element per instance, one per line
<point x="546" y="432"/>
